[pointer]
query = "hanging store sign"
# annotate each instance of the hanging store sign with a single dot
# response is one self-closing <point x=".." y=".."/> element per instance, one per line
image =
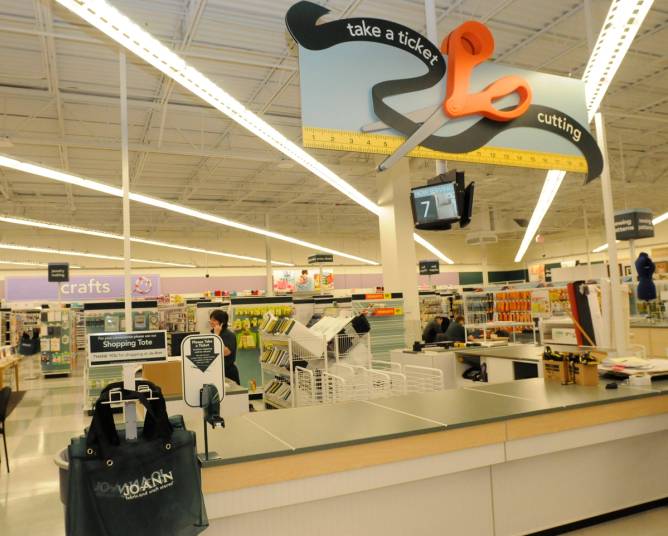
<point x="367" y="84"/>
<point x="58" y="272"/>
<point x="429" y="268"/>
<point x="634" y="224"/>
<point x="320" y="258"/>
<point x="133" y="347"/>
<point x="80" y="288"/>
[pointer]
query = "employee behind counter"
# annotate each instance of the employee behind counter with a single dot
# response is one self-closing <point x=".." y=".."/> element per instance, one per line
<point x="218" y="321"/>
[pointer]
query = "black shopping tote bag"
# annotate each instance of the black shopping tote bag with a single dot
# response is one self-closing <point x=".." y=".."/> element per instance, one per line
<point x="151" y="485"/>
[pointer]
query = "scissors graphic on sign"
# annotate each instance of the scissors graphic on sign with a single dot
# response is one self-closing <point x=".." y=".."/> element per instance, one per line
<point x="467" y="46"/>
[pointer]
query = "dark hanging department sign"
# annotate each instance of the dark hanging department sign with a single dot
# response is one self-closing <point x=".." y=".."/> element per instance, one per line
<point x="321" y="258"/>
<point x="634" y="224"/>
<point x="58" y="272"/>
<point x="429" y="268"/>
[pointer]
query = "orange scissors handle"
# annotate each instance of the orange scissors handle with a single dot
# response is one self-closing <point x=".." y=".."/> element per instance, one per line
<point x="468" y="46"/>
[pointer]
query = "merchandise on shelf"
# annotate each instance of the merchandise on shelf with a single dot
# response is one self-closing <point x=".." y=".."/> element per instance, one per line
<point x="5" y="327"/>
<point x="559" y="303"/>
<point x="513" y="306"/>
<point x="246" y="315"/>
<point x="431" y="305"/>
<point x="278" y="393"/>
<point x="57" y="341"/>
<point x="478" y="308"/>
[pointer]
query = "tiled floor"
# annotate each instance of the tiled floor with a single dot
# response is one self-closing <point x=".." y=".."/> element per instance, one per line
<point x="51" y="413"/>
<point x="43" y="423"/>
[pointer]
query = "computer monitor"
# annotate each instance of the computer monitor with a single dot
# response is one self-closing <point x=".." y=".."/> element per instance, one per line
<point x="435" y="205"/>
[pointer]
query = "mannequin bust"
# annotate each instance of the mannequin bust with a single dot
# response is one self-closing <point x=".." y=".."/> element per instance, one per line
<point x="645" y="269"/>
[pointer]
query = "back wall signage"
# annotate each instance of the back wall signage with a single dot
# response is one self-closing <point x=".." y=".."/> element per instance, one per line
<point x="368" y="84"/>
<point x="79" y="288"/>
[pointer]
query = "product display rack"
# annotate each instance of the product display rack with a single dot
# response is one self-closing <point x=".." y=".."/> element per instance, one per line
<point x="478" y="308"/>
<point x="385" y="313"/>
<point x="108" y="317"/>
<point x="286" y="344"/>
<point x="57" y="341"/>
<point x="23" y="321"/>
<point x="5" y="327"/>
<point x="513" y="306"/>
<point x="246" y="315"/>
<point x="431" y="305"/>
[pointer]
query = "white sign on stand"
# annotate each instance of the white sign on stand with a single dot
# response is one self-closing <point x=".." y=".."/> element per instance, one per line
<point x="202" y="363"/>
<point x="131" y="347"/>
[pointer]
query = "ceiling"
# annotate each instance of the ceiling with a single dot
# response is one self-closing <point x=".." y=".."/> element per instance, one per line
<point x="59" y="105"/>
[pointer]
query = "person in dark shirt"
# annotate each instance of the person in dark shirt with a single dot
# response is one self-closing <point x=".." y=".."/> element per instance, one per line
<point x="218" y="320"/>
<point x="456" y="331"/>
<point x="432" y="329"/>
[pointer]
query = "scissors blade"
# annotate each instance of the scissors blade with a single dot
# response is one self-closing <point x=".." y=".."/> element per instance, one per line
<point x="435" y="121"/>
<point x="417" y="116"/>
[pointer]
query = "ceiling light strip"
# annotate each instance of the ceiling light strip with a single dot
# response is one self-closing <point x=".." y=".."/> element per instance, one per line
<point x="550" y="187"/>
<point x="432" y="249"/>
<point x="114" y="236"/>
<point x="51" y="251"/>
<point x="42" y="171"/>
<point x="126" y="33"/>
<point x="620" y="27"/>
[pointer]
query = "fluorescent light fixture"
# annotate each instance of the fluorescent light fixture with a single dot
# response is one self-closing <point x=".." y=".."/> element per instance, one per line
<point x="114" y="236"/>
<point x="51" y="251"/>
<point x="660" y="219"/>
<point x="49" y="173"/>
<point x="619" y="29"/>
<point x="126" y="33"/>
<point x="550" y="188"/>
<point x="431" y="248"/>
<point x="601" y="248"/>
<point x="29" y="263"/>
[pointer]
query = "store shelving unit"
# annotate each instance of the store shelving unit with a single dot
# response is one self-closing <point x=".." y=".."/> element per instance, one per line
<point x="246" y="315"/>
<point x="513" y="306"/>
<point x="23" y="321"/>
<point x="431" y="305"/>
<point x="57" y="341"/>
<point x="5" y="327"/>
<point x="478" y="308"/>
<point x="286" y="343"/>
<point x="558" y="331"/>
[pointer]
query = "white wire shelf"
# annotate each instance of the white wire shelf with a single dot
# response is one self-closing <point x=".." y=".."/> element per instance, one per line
<point x="277" y="403"/>
<point x="275" y="369"/>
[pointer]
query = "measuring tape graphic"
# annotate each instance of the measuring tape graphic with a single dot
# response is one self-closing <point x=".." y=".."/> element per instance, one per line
<point x="362" y="142"/>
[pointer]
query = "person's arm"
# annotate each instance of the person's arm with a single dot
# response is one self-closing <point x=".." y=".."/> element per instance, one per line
<point x="426" y="332"/>
<point x="227" y="351"/>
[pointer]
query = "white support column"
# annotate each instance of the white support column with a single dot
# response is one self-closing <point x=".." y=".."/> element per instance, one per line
<point x="269" y="284"/>
<point x="128" y="370"/>
<point x="396" y="242"/>
<point x="619" y="330"/>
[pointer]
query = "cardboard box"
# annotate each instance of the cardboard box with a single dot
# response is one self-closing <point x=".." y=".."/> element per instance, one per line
<point x="586" y="375"/>
<point x="556" y="371"/>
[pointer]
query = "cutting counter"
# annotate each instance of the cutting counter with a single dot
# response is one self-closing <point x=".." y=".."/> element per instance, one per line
<point x="477" y="460"/>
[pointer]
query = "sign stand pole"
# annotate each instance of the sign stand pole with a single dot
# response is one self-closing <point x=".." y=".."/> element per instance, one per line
<point x="632" y="253"/>
<point x="128" y="370"/>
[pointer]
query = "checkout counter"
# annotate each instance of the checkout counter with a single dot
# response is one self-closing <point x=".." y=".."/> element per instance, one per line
<point x="503" y="363"/>
<point x="501" y="458"/>
<point x="653" y="335"/>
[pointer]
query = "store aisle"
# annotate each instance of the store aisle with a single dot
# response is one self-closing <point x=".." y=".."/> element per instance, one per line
<point x="42" y="424"/>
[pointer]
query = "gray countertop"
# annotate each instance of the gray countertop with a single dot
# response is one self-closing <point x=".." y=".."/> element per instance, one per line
<point x="640" y="323"/>
<point x="292" y="431"/>
<point x="523" y="352"/>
